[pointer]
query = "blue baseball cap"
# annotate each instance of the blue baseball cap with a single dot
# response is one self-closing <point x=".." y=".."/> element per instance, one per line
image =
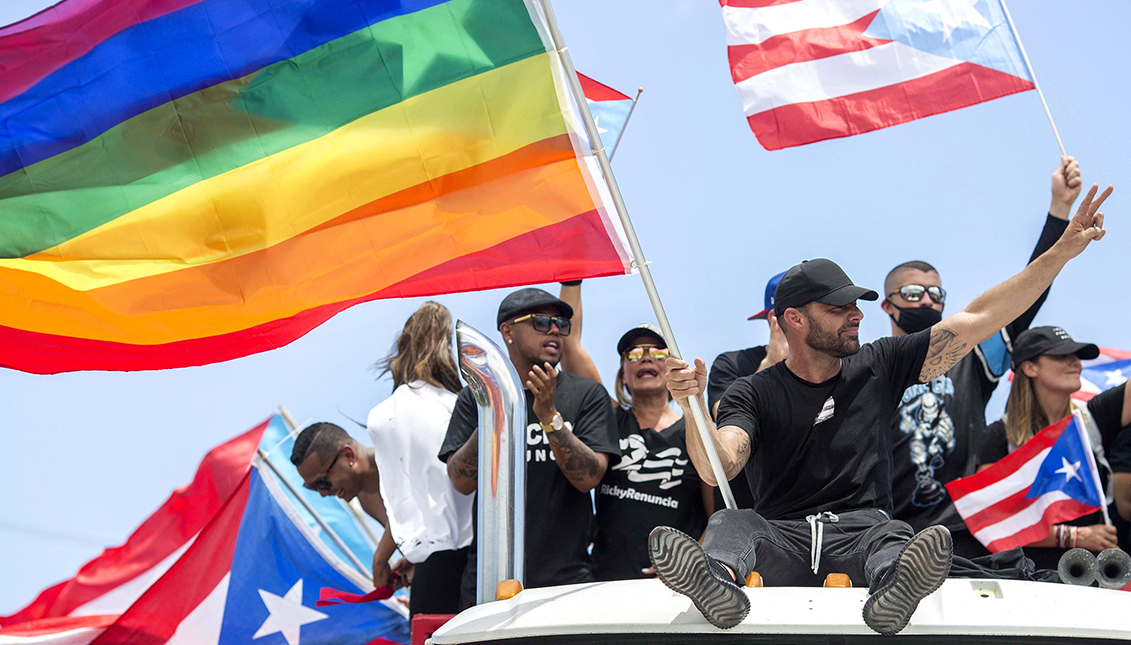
<point x="771" y="287"/>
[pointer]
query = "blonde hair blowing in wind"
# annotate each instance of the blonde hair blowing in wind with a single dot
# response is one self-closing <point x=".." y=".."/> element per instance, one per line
<point x="423" y="350"/>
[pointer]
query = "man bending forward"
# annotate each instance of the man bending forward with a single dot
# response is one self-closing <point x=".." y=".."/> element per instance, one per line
<point x="811" y="433"/>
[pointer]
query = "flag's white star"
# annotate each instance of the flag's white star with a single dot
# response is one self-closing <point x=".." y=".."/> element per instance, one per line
<point x="597" y="122"/>
<point x="954" y="13"/>
<point x="1115" y="378"/>
<point x="1068" y="470"/>
<point x="287" y="614"/>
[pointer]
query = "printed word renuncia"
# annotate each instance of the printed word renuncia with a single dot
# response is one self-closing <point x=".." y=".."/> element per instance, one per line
<point x="538" y="444"/>
<point x="635" y="495"/>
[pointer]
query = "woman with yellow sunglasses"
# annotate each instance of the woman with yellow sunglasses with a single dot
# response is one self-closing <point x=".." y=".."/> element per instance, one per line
<point x="654" y="483"/>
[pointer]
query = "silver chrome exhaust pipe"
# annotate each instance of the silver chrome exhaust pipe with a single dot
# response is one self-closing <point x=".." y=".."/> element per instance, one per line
<point x="501" y="518"/>
<point x="1077" y="567"/>
<point x="1113" y="569"/>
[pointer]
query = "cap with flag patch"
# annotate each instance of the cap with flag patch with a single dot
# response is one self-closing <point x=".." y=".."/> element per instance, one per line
<point x="1052" y="341"/>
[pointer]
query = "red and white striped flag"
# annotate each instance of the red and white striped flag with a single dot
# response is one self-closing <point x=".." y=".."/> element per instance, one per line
<point x="1052" y="478"/>
<point x="809" y="70"/>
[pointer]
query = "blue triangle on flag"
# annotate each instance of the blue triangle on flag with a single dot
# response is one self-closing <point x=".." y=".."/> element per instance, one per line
<point x="275" y="581"/>
<point x="1068" y="469"/>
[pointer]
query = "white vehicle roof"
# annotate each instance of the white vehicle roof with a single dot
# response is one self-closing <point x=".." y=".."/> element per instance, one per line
<point x="645" y="611"/>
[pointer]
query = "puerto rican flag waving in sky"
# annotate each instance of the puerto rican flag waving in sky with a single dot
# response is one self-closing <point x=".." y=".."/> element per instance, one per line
<point x="809" y="70"/>
<point x="231" y="558"/>
<point x="609" y="108"/>
<point x="1050" y="479"/>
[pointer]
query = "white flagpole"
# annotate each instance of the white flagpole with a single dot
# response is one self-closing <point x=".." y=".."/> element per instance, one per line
<point x="1083" y="430"/>
<point x="628" y="118"/>
<point x="1036" y="85"/>
<point x="634" y="244"/>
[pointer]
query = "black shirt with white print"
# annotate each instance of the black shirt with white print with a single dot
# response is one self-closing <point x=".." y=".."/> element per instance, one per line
<point x="938" y="429"/>
<point x="558" y="516"/>
<point x="653" y="484"/>
<point x="824" y="446"/>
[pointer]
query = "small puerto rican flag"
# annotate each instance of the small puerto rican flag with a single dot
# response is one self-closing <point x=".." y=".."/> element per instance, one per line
<point x="1050" y="479"/>
<point x="609" y="108"/>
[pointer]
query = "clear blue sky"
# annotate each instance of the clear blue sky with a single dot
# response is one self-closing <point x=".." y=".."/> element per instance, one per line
<point x="89" y="455"/>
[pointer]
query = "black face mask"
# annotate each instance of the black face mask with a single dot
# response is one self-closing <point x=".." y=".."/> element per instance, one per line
<point x="914" y="319"/>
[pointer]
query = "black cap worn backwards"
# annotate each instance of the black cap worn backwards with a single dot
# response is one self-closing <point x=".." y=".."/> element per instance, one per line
<point x="525" y="300"/>
<point x="820" y="281"/>
<point x="643" y="329"/>
<point x="1052" y="341"/>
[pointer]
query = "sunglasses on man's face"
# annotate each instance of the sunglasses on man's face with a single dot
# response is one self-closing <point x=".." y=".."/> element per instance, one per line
<point x="636" y="354"/>
<point x="542" y="323"/>
<point x="323" y="481"/>
<point x="914" y="293"/>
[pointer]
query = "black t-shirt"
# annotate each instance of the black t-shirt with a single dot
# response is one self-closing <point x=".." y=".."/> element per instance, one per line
<point x="937" y="431"/>
<point x="824" y="446"/>
<point x="1120" y="455"/>
<point x="558" y="515"/>
<point x="1106" y="409"/>
<point x="729" y="367"/>
<point x="653" y="484"/>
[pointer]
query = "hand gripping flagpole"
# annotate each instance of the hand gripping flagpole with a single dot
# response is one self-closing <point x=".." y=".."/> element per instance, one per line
<point x="1032" y="75"/>
<point x="634" y="244"/>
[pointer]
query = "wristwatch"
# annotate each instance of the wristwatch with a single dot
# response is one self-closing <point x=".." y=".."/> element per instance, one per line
<point x="555" y="424"/>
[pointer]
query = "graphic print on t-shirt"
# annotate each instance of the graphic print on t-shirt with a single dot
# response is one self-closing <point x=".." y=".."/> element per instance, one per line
<point x="923" y="415"/>
<point x="665" y="466"/>
<point x="826" y="412"/>
<point x="538" y="443"/>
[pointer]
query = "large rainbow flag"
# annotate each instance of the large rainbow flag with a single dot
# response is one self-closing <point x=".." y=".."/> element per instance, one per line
<point x="190" y="181"/>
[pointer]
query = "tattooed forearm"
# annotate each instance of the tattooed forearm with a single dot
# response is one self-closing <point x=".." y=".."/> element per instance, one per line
<point x="577" y="461"/>
<point x="463" y="466"/>
<point x="734" y="465"/>
<point x="943" y="353"/>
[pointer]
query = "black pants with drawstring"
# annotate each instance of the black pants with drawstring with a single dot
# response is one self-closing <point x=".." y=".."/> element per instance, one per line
<point x="862" y="544"/>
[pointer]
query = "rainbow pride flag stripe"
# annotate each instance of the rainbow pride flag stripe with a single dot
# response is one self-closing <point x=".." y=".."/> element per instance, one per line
<point x="190" y="181"/>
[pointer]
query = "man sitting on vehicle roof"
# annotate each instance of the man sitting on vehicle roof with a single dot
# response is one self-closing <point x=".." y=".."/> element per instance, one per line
<point x="811" y="432"/>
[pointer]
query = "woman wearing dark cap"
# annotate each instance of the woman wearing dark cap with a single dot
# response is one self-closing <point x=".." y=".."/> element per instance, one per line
<point x="654" y="483"/>
<point x="1046" y="373"/>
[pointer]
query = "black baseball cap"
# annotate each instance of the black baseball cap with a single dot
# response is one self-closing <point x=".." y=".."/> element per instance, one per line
<point x="771" y="287"/>
<point x="820" y="281"/>
<point x="529" y="299"/>
<point x="643" y="329"/>
<point x="1052" y="341"/>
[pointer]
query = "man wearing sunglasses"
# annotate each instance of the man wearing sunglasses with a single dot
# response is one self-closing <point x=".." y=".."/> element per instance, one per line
<point x="335" y="464"/>
<point x="937" y="431"/>
<point x="810" y="434"/>
<point x="569" y="440"/>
